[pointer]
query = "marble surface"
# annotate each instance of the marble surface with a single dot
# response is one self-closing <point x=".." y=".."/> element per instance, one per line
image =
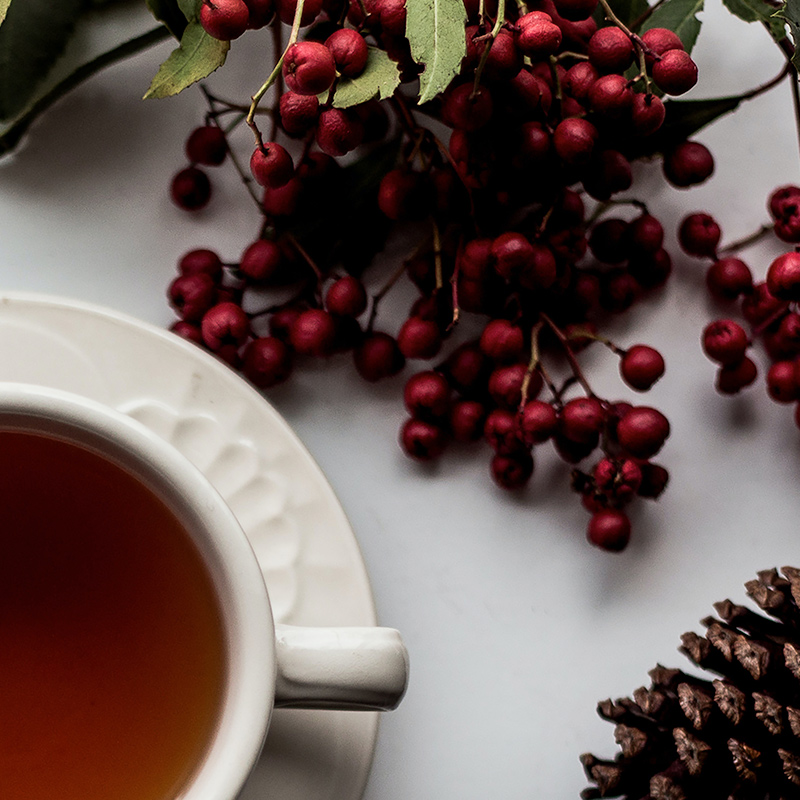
<point x="516" y="627"/>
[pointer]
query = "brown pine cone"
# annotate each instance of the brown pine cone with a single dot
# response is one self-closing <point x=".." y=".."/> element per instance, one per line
<point x="733" y="737"/>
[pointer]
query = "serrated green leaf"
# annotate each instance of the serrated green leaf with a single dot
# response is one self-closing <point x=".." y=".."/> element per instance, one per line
<point x="679" y="16"/>
<point x="435" y="31"/>
<point x="379" y="79"/>
<point x="190" y="8"/>
<point x="197" y="56"/>
<point x="758" y="11"/>
<point x="168" y="12"/>
<point x="32" y="37"/>
<point x="4" y="4"/>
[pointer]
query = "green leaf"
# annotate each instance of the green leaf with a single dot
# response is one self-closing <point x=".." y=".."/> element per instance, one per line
<point x="379" y="79"/>
<point x="190" y="8"/>
<point x="791" y="13"/>
<point x="197" y="56"/>
<point x="435" y="31"/>
<point x="758" y="11"/>
<point x="4" y="4"/>
<point x="679" y="16"/>
<point x="32" y="37"/>
<point x="168" y="12"/>
<point x="627" y="10"/>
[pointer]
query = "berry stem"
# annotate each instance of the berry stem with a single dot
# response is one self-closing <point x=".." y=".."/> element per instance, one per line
<point x="746" y="241"/>
<point x="573" y="362"/>
<point x="277" y="47"/>
<point x="532" y="364"/>
<point x="383" y="291"/>
<point x="498" y="24"/>
<point x="305" y="256"/>
<point x="437" y="256"/>
<point x="274" y="75"/>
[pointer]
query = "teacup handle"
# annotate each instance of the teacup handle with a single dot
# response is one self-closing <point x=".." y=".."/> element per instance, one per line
<point x="340" y="668"/>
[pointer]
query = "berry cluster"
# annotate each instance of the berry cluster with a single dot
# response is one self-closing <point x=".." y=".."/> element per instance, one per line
<point x="518" y="247"/>
<point x="768" y="308"/>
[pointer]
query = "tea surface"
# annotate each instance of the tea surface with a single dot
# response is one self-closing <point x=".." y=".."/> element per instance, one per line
<point x="112" y="663"/>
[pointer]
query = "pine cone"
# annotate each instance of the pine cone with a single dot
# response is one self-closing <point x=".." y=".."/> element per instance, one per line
<point x="736" y="737"/>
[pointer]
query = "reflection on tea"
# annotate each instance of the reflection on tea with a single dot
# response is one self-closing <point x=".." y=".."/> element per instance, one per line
<point x="112" y="662"/>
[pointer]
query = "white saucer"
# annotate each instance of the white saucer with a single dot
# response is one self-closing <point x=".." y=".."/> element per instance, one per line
<point x="303" y="540"/>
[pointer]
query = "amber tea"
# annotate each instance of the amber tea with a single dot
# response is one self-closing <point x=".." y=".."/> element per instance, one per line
<point x="112" y="651"/>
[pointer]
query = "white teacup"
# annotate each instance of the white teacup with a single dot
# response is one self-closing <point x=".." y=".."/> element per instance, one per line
<point x="267" y="665"/>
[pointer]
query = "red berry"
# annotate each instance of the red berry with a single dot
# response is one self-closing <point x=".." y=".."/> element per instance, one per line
<point x="582" y="419"/>
<point x="539" y="421"/>
<point x="224" y="19"/>
<point x="647" y="113"/>
<point x="642" y="431"/>
<point x="579" y="80"/>
<point x="537" y="35"/>
<point x="339" y="131"/>
<point x="654" y="480"/>
<point x="505" y="385"/>
<point x="419" y="338"/>
<point x="574" y="141"/>
<point x="501" y="431"/>
<point x="503" y="60"/>
<point x="225" y="326"/>
<point x="512" y="470"/>
<point x="403" y="194"/>
<point x="467" y="111"/>
<point x="260" y="13"/>
<point x="349" y="50"/>
<point x="286" y="10"/>
<point x="728" y="278"/>
<point x="783" y="277"/>
<point x="512" y="254"/>
<point x="675" y="73"/>
<point x="346" y="296"/>
<point x="611" y="96"/>
<point x="781" y="382"/>
<point x="378" y="357"/>
<point x="699" y="235"/>
<point x="282" y="202"/>
<point x="467" y="419"/>
<point x="309" y="68"/>
<point x="192" y="295"/>
<point x="267" y="361"/>
<point x="644" y="235"/>
<point x="609" y="529"/>
<point x="261" y="261"/>
<point x="575" y="10"/>
<point x="611" y="50"/>
<point x="299" y="112"/>
<point x="422" y="440"/>
<point x="206" y="145"/>
<point x="467" y="369"/>
<point x="688" y="164"/>
<point x="641" y="367"/>
<point x="190" y="189"/>
<point x="502" y="341"/>
<point x="725" y="341"/>
<point x="781" y="197"/>
<point x="732" y="378"/>
<point x="427" y="395"/>
<point x="271" y="165"/>
<point x="188" y="331"/>
<point x="313" y="333"/>
<point x="200" y="260"/>
<point x="658" y="41"/>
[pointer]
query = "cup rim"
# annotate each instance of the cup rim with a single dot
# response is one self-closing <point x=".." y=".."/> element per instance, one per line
<point x="244" y="603"/>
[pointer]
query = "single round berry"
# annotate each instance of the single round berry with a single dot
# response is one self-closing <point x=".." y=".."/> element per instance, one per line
<point x="201" y="260"/>
<point x="609" y="529"/>
<point x="465" y="109"/>
<point x="467" y="418"/>
<point x="505" y="385"/>
<point x="512" y="254"/>
<point x="502" y="341"/>
<point x="699" y="235"/>
<point x="782" y="383"/>
<point x="298" y="112"/>
<point x="427" y="395"/>
<point x="349" y="50"/>
<point x="309" y="68"/>
<point x="675" y="72"/>
<point x="225" y="325"/>
<point x="658" y="41"/>
<point x="502" y="432"/>
<point x="728" y="278"/>
<point x="538" y="422"/>
<point x="641" y="366"/>
<point x="404" y="195"/>
<point x="644" y="235"/>
<point x="346" y="296"/>
<point x="271" y="165"/>
<point x="512" y="470"/>
<point x="688" y="164"/>
<point x="647" y="113"/>
<point x="192" y="295"/>
<point x="781" y="197"/>
<point x="260" y="13"/>
<point x="579" y="79"/>
<point x="422" y="440"/>
<point x="261" y="260"/>
<point x="538" y="36"/>
<point x="582" y="419"/>
<point x="419" y="338"/>
<point x="732" y="378"/>
<point x="339" y="131"/>
<point x="190" y="189"/>
<point x="574" y="140"/>
<point x="206" y="145"/>
<point x="377" y="356"/>
<point x="783" y="277"/>
<point x="654" y="480"/>
<point x="313" y="333"/>
<point x="224" y="19"/>
<point x="642" y="431"/>
<point x="187" y="330"/>
<point x="267" y="361"/>
<point x="611" y="50"/>
<point x="611" y="96"/>
<point x="725" y="341"/>
<point x="467" y="369"/>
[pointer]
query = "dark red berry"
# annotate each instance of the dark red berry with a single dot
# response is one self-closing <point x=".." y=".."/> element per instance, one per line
<point x="313" y="333"/>
<point x="575" y="10"/>
<point x="611" y="50"/>
<point x="339" y="131"/>
<point x="465" y="110"/>
<point x="467" y="418"/>
<point x="732" y="378"/>
<point x="200" y="260"/>
<point x="309" y="68"/>
<point x="282" y="202"/>
<point x="728" y="278"/>
<point x="699" y="235"/>
<point x="609" y="529"/>
<point x="299" y="112"/>
<point x="187" y="330"/>
<point x="346" y="296"/>
<point x="286" y="10"/>
<point x="261" y="261"/>
<point x="467" y="369"/>
<point x="538" y="422"/>
<point x="641" y="366"/>
<point x="502" y="341"/>
<point x="644" y="235"/>
<point x="675" y="72"/>
<point x="267" y="361"/>
<point x="538" y="36"/>
<point x="582" y="419"/>
<point x="781" y="382"/>
<point x="642" y="431"/>
<point x="377" y="357"/>
<point x="260" y="13"/>
<point x="609" y="241"/>
<point x="349" y="50"/>
<point x="206" y="145"/>
<point x="505" y="385"/>
<point x="512" y="254"/>
<point x="427" y="395"/>
<point x="783" y="277"/>
<point x="725" y="341"/>
<point x="611" y="96"/>
<point x="654" y="480"/>
<point x="271" y="165"/>
<point x="225" y="326"/>
<point x="422" y="440"/>
<point x="657" y="42"/>
<point x="574" y="140"/>
<point x="192" y="295"/>
<point x="647" y="113"/>
<point x="190" y="189"/>
<point x="501" y="431"/>
<point x="688" y="164"/>
<point x="224" y="19"/>
<point x="512" y="470"/>
<point x="419" y="338"/>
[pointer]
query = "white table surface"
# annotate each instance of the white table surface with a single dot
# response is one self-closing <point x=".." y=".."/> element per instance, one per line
<point x="515" y="625"/>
